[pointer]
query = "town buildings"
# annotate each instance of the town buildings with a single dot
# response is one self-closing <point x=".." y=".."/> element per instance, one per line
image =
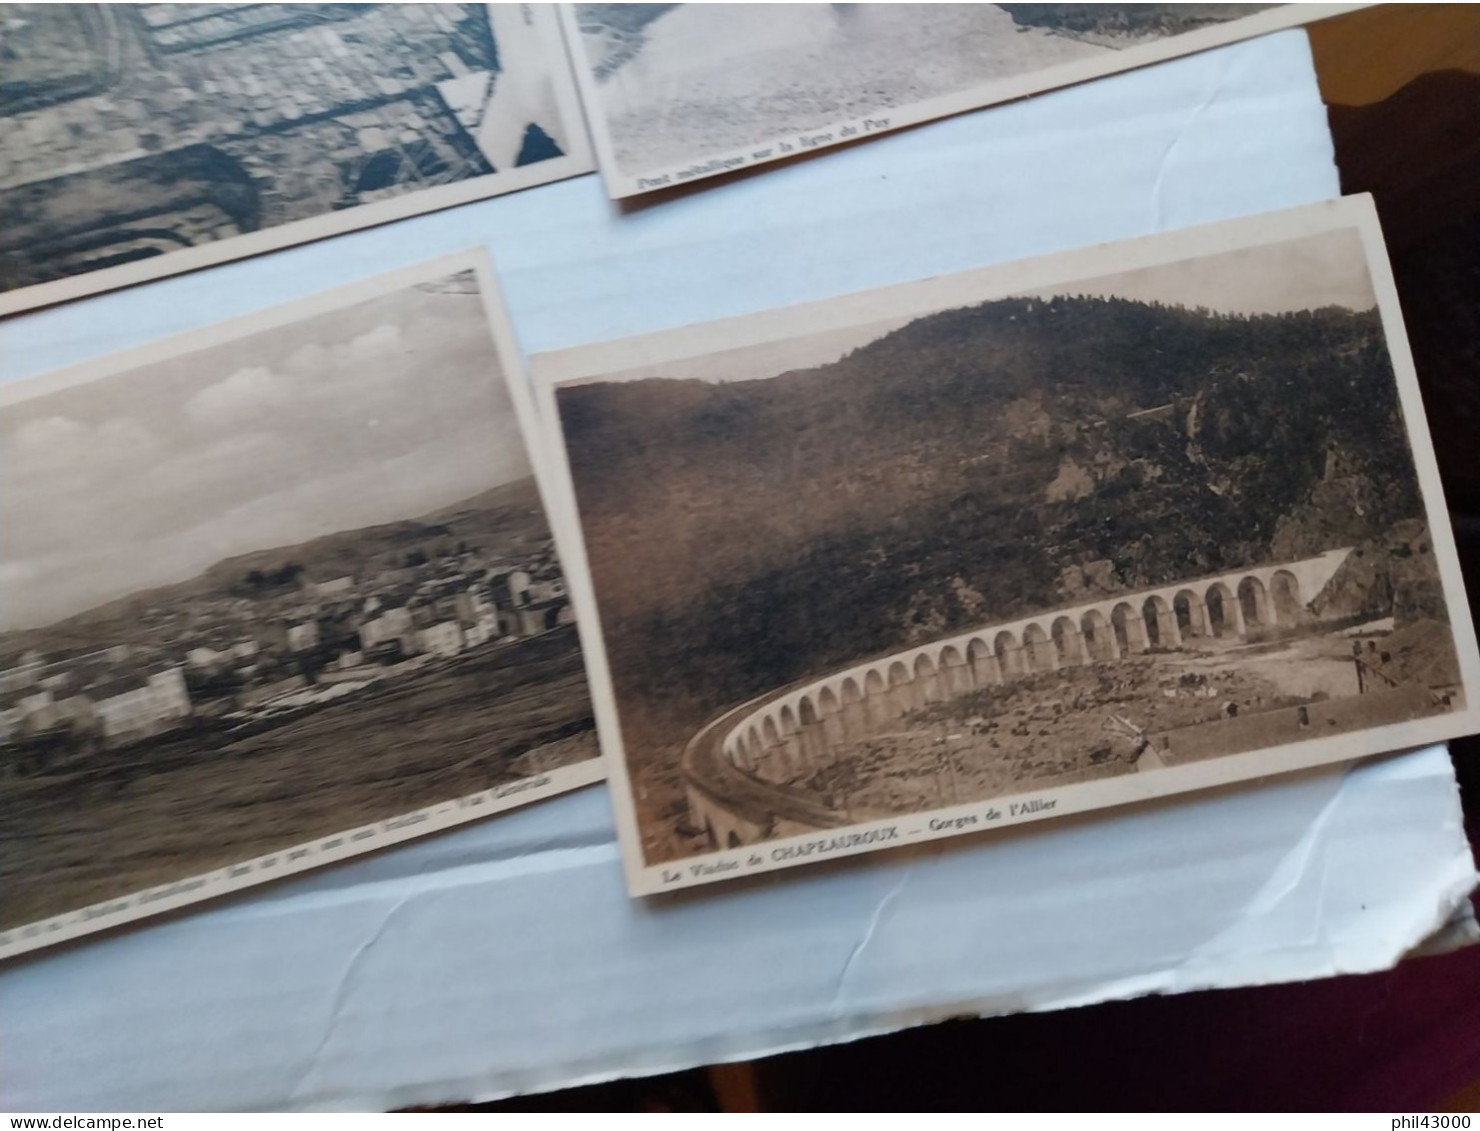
<point x="131" y="707"/>
<point x="213" y="659"/>
<point x="129" y="131"/>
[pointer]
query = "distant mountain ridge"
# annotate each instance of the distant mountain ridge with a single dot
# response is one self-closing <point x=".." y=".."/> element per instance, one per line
<point x="510" y="507"/>
<point x="333" y="555"/>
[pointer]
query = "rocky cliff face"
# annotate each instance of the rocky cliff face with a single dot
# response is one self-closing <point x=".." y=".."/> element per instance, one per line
<point x="1392" y="574"/>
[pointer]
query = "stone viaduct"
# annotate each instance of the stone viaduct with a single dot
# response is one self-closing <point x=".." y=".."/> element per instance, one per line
<point x="737" y="768"/>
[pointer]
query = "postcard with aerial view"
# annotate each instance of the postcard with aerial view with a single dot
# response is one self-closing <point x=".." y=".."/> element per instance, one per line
<point x="676" y="93"/>
<point x="141" y="140"/>
<point x="273" y="595"/>
<point x="1001" y="546"/>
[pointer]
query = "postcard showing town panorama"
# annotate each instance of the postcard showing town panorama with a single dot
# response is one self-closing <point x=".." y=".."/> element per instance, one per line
<point x="141" y="140"/>
<point x="675" y="93"/>
<point x="273" y="595"/>
<point x="1007" y="545"/>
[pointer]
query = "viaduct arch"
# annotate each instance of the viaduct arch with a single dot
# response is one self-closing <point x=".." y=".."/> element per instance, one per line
<point x="737" y="769"/>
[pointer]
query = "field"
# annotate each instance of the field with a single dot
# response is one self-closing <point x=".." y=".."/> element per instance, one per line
<point x="177" y="807"/>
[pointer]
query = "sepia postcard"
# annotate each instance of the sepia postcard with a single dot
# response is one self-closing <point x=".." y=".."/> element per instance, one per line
<point x="1007" y="545"/>
<point x="675" y="93"/>
<point x="142" y="140"/>
<point x="272" y="595"/>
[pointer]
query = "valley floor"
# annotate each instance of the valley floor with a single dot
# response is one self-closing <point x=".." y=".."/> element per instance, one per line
<point x="147" y="815"/>
<point x="1063" y="727"/>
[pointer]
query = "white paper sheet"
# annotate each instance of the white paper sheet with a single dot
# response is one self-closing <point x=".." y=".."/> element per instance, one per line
<point x="505" y="956"/>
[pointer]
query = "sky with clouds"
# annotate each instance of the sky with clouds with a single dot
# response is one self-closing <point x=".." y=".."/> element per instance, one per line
<point x="380" y="411"/>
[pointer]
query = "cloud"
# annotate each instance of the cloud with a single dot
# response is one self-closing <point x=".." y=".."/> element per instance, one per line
<point x="113" y="484"/>
<point x="349" y="360"/>
<point x="365" y="415"/>
<point x="245" y="394"/>
<point x="405" y="382"/>
<point x="375" y="343"/>
<point x="308" y="360"/>
<point x="51" y="441"/>
<point x="59" y="445"/>
<point x="34" y="592"/>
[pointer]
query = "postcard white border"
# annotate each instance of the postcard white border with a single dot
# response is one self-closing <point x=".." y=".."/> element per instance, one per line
<point x="702" y="166"/>
<point x="577" y="162"/>
<point x="554" y="370"/>
<point x="335" y="846"/>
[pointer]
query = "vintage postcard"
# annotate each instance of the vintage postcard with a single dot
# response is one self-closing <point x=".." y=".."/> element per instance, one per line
<point x="142" y="140"/>
<point x="272" y="595"/>
<point x="1022" y="542"/>
<point x="678" y="92"/>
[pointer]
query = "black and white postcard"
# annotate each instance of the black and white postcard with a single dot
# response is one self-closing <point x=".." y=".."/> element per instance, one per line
<point x="675" y="93"/>
<point x="141" y="140"/>
<point x="1006" y="545"/>
<point x="274" y="594"/>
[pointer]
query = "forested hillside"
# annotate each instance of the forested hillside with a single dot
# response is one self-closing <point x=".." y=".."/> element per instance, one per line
<point x="1118" y="25"/>
<point x="971" y="466"/>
